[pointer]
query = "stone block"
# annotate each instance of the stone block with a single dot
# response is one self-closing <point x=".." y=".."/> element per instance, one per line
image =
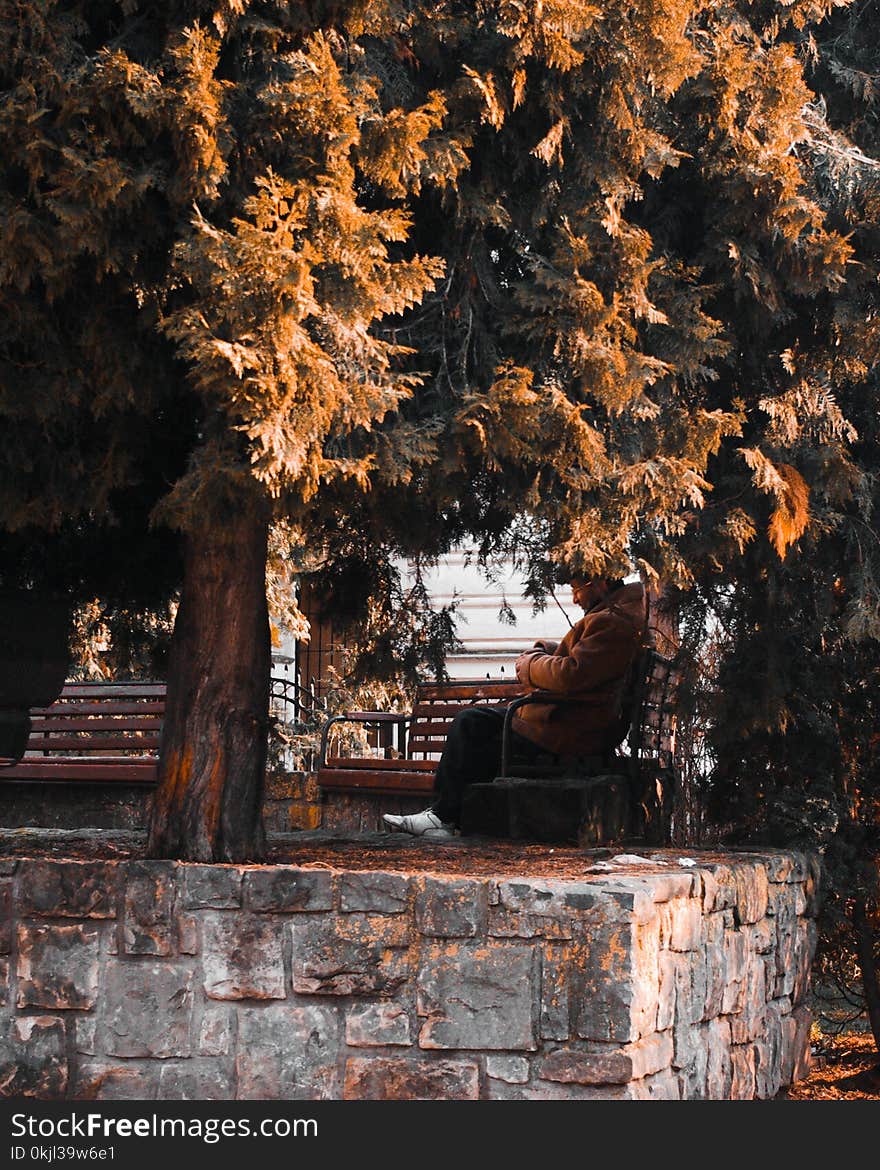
<point x="629" y="900"/>
<point x="748" y="1023"/>
<point x="106" y="1080"/>
<point x="381" y="893"/>
<point x="650" y="1054"/>
<point x="58" y="966"/>
<point x="713" y="953"/>
<point x="742" y="1067"/>
<point x="602" y="988"/>
<point x="283" y="785"/>
<point x="284" y="889"/>
<point x="451" y="908"/>
<point x="559" y="909"/>
<point x="33" y="1058"/>
<point x="216" y="1030"/>
<point x="509" y="924"/>
<point x="661" y="1086"/>
<point x="751" y="890"/>
<point x="242" y="956"/>
<point x="187" y="934"/>
<point x="147" y="1009"/>
<point x="478" y="995"/>
<point x="68" y="889"/>
<point x="801" y="1062"/>
<point x="536" y="909"/>
<point x="288" y="1052"/>
<point x="354" y="954"/>
<point x="800" y="901"/>
<point x="691" y="988"/>
<point x="736" y="955"/>
<point x="5" y="917"/>
<point x="762" y="936"/>
<point x="148" y="908"/>
<point x="4" y="980"/>
<point x="377" y="1024"/>
<point x="411" y="1079"/>
<point x="719" y="1071"/>
<point x="211" y="887"/>
<point x="645" y="976"/>
<point x="303" y="814"/>
<point x="585" y="812"/>
<point x="513" y="1070"/>
<point x="788" y="1030"/>
<point x="666" y="965"/>
<point x="736" y="959"/>
<point x="84" y="1035"/>
<point x="767" y="1067"/>
<point x="681" y="922"/>
<point x="195" y="1080"/>
<point x="691" y="1061"/>
<point x="556" y="962"/>
<point x="612" y="1065"/>
<point x="598" y="902"/>
<point x="804" y="952"/>
<point x="538" y="1090"/>
<point x="718" y="887"/>
<point x="782" y="865"/>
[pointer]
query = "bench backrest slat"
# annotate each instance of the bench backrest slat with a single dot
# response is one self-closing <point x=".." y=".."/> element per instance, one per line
<point x="96" y="723"/>
<point x="63" y="709"/>
<point x="109" y="690"/>
<point x="95" y="731"/>
<point x="148" y="742"/>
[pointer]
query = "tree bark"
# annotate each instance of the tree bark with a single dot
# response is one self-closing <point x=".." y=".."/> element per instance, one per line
<point x="867" y="965"/>
<point x="208" y="805"/>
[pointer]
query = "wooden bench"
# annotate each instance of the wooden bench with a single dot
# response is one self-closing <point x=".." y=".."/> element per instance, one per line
<point x="407" y="769"/>
<point x="95" y="732"/>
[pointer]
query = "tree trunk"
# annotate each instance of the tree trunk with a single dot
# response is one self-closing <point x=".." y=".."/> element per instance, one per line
<point x="212" y="763"/>
<point x="867" y="965"/>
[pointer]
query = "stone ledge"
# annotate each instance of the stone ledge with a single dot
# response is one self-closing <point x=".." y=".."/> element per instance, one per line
<point x="384" y="969"/>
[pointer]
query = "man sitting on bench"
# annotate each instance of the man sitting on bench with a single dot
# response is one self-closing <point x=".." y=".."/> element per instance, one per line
<point x="589" y="665"/>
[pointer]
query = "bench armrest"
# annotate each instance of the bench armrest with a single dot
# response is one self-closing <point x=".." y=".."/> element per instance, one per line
<point x="357" y="717"/>
<point x="375" y="717"/>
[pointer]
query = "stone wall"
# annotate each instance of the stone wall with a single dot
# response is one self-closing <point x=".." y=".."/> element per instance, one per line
<point x="137" y="980"/>
<point x="291" y="802"/>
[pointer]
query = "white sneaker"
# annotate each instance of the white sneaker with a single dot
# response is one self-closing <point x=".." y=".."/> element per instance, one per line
<point x="423" y="824"/>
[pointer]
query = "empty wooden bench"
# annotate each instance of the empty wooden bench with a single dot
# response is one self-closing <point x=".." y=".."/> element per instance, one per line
<point x="408" y="769"/>
<point x="95" y="732"/>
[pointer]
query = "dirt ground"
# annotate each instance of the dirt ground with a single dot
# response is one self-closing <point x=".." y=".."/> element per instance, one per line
<point x="461" y="856"/>
<point x="845" y="1068"/>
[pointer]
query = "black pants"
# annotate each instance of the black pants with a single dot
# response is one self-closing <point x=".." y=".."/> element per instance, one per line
<point x="472" y="754"/>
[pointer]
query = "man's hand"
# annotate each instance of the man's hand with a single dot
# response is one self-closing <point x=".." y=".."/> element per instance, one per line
<point x="522" y="664"/>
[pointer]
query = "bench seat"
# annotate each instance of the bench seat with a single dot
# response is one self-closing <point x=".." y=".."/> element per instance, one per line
<point x="409" y="769"/>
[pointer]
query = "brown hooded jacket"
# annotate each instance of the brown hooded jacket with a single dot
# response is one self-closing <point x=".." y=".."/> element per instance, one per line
<point x="590" y="664"/>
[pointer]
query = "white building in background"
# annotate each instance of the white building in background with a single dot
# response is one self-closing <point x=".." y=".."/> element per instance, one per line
<point x="490" y="645"/>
